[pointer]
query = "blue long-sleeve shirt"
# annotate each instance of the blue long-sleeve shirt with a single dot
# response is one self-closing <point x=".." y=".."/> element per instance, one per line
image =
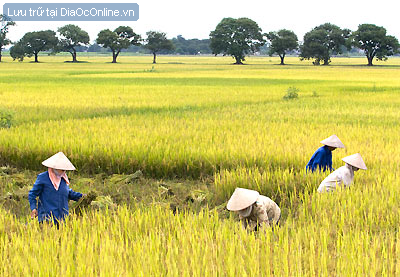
<point x="52" y="204"/>
<point x="321" y="160"/>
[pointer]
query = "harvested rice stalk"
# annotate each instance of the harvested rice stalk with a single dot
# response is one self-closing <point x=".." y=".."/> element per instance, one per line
<point x="84" y="202"/>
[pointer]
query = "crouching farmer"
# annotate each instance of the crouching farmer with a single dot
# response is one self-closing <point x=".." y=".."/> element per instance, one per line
<point x="52" y="189"/>
<point x="343" y="175"/>
<point x="322" y="158"/>
<point x="254" y="210"/>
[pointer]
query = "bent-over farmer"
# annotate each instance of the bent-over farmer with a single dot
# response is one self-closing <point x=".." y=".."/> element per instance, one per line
<point x="322" y="158"/>
<point x="344" y="174"/>
<point x="254" y="210"/>
<point x="52" y="189"/>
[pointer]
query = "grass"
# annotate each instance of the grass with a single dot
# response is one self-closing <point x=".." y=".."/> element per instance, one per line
<point x="202" y="125"/>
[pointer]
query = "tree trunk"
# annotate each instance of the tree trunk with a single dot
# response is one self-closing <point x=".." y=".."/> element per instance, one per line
<point x="238" y="60"/>
<point x="370" y="59"/>
<point x="115" y="55"/>
<point x="0" y="55"/>
<point x="282" y="59"/>
<point x="36" y="57"/>
<point x="326" y="61"/>
<point x="74" y="60"/>
<point x="154" y="57"/>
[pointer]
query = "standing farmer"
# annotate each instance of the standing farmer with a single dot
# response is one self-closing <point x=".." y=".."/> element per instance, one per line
<point x="322" y="158"/>
<point x="254" y="210"/>
<point x="52" y="188"/>
<point x="344" y="174"/>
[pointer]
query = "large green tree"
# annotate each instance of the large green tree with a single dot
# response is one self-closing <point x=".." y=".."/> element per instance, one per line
<point x="157" y="41"/>
<point x="282" y="42"/>
<point x="17" y="52"/>
<point x="5" y="23"/>
<point x="374" y="41"/>
<point x="237" y="38"/>
<point x="323" y="41"/>
<point x="72" y="36"/>
<point x="32" y="43"/>
<point x="120" y="38"/>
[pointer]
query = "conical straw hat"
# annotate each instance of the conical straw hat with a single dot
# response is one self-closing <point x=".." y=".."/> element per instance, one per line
<point x="241" y="199"/>
<point x="355" y="160"/>
<point x="333" y="141"/>
<point x="59" y="161"/>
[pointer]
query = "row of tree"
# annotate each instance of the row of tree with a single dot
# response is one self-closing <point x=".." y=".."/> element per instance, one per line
<point x="70" y="37"/>
<point x="235" y="37"/>
<point x="242" y="36"/>
<point x="182" y="47"/>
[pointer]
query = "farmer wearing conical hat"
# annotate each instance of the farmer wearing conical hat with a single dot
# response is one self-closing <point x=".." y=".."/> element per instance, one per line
<point x="52" y="189"/>
<point x="322" y="158"/>
<point x="343" y="175"/>
<point x="254" y="210"/>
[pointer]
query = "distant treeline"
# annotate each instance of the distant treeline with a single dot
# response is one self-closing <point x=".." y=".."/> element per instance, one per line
<point x="182" y="47"/>
<point x="195" y="47"/>
<point x="237" y="38"/>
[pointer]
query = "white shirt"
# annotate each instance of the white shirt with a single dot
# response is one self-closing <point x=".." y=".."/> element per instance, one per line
<point x="342" y="175"/>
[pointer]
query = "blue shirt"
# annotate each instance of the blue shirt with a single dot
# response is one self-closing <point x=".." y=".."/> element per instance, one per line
<point x="52" y="204"/>
<point x="321" y="160"/>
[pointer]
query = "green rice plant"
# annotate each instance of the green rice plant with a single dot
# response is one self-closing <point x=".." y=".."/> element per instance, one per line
<point x="327" y="234"/>
<point x="6" y="118"/>
<point x="200" y="119"/>
<point x="291" y="93"/>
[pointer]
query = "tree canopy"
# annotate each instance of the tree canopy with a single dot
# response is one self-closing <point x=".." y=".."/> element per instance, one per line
<point x="374" y="41"/>
<point x="120" y="38"/>
<point x="72" y="36"/>
<point x="323" y="41"/>
<point x="237" y="38"/>
<point x="282" y="42"/>
<point x="157" y="41"/>
<point x="34" y="42"/>
<point x="17" y="52"/>
<point x="5" y="23"/>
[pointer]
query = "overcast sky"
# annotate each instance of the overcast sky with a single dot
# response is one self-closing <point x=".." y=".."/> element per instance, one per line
<point x="196" y="19"/>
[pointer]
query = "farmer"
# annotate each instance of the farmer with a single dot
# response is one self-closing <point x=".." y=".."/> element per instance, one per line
<point x="343" y="175"/>
<point x="322" y="158"/>
<point x="254" y="210"/>
<point x="52" y="188"/>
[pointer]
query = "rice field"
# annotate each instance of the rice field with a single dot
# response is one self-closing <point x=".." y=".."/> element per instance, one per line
<point x="202" y="118"/>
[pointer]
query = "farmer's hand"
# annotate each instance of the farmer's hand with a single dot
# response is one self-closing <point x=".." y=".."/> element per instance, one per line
<point x="34" y="213"/>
